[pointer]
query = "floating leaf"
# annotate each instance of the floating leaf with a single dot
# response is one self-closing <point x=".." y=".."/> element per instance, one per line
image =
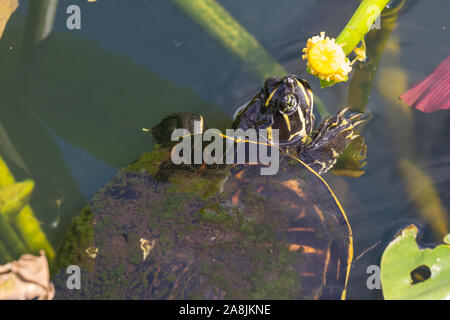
<point x="408" y="272"/>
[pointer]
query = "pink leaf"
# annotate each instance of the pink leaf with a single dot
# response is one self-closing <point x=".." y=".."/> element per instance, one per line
<point x="432" y="93"/>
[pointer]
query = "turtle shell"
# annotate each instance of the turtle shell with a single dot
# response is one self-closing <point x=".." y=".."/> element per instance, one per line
<point x="203" y="233"/>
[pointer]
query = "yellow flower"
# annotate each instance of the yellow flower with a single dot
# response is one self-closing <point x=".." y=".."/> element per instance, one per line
<point x="326" y="59"/>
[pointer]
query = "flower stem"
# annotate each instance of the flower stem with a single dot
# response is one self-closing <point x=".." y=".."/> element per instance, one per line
<point x="360" y="24"/>
<point x="361" y="83"/>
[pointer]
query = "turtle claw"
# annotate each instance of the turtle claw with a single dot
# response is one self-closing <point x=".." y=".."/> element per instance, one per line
<point x="355" y="124"/>
<point x="357" y="116"/>
<point x="343" y="111"/>
<point x="331" y="139"/>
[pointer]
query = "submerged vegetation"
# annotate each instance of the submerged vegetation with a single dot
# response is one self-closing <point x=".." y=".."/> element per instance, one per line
<point x="20" y="230"/>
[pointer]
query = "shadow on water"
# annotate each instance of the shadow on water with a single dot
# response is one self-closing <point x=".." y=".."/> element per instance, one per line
<point x="98" y="101"/>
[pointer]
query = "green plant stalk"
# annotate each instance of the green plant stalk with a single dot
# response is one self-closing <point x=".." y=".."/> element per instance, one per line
<point x="30" y="230"/>
<point x="419" y="186"/>
<point x="39" y="24"/>
<point x="226" y="30"/>
<point x="360" y="24"/>
<point x="10" y="239"/>
<point x="223" y="28"/>
<point x="5" y="256"/>
<point x="361" y="83"/>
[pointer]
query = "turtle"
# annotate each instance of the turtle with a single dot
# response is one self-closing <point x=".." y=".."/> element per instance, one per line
<point x="221" y="230"/>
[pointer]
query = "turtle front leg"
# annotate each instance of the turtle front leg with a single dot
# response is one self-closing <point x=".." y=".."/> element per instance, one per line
<point x="331" y="139"/>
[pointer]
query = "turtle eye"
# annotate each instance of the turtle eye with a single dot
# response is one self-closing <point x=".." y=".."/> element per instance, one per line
<point x="288" y="104"/>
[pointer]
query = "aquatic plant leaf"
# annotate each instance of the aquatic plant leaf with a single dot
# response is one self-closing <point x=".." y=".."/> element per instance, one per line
<point x="432" y="93"/>
<point x="14" y="197"/>
<point x="424" y="196"/>
<point x="7" y="8"/>
<point x="325" y="83"/>
<point x="408" y="272"/>
<point x="25" y="222"/>
<point x="229" y="33"/>
<point x="26" y="279"/>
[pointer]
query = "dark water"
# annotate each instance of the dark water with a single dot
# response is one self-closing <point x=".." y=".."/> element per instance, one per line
<point x="74" y="117"/>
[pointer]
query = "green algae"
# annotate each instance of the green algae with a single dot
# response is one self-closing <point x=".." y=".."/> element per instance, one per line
<point x="234" y="251"/>
<point x="274" y="277"/>
<point x="267" y="273"/>
<point x="150" y="161"/>
<point x="217" y="214"/>
<point x="188" y="180"/>
<point x="76" y="241"/>
<point x="172" y="205"/>
<point x="203" y="183"/>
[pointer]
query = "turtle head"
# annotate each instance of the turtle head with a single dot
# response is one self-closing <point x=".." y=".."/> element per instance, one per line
<point x="285" y="104"/>
<point x="290" y="101"/>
